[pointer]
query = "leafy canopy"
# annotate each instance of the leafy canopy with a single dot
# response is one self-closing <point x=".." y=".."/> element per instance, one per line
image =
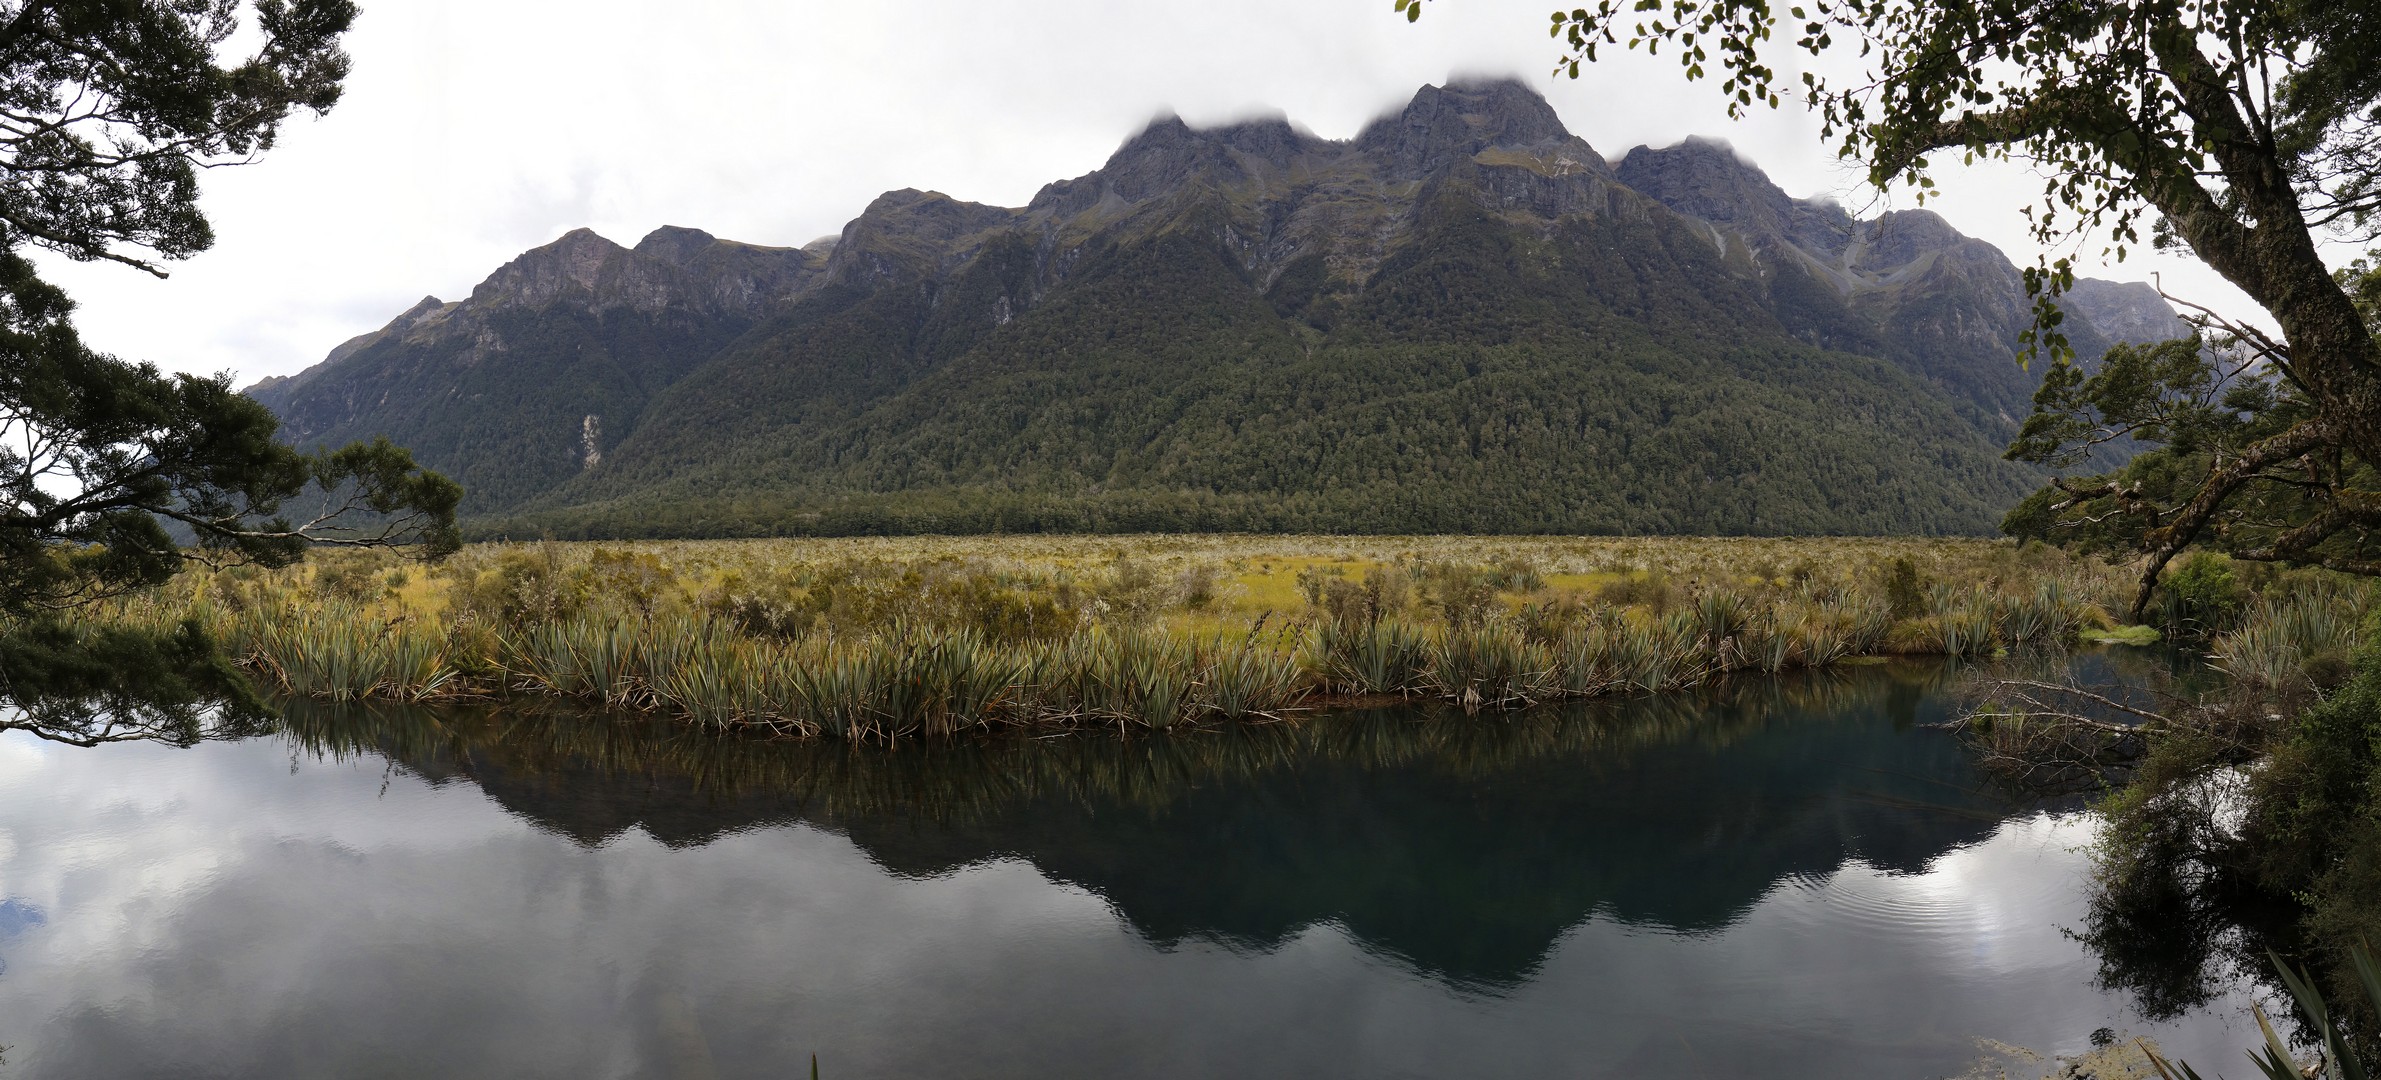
<point x="2198" y="405"/>
<point x="112" y="474"/>
<point x="2239" y="129"/>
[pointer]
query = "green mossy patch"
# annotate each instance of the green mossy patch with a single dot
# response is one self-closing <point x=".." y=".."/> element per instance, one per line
<point x="2123" y="635"/>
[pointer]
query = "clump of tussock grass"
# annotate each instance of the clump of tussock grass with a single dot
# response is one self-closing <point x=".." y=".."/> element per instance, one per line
<point x="604" y="659"/>
<point x="717" y="680"/>
<point x="1963" y="622"/>
<point x="1244" y="679"/>
<point x="1582" y="666"/>
<point x="1142" y="678"/>
<point x="1490" y="665"/>
<point x="2305" y="641"/>
<point x="1386" y="657"/>
<point x="2050" y="614"/>
<point x="1646" y="653"/>
<point x="1723" y="616"/>
<point x="838" y="691"/>
<point x="339" y="653"/>
<point x="1801" y="635"/>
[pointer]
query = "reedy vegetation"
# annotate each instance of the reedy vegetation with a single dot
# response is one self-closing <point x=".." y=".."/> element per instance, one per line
<point x="895" y="638"/>
<point x="969" y="780"/>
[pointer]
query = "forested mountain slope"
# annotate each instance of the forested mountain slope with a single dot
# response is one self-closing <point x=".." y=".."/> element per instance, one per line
<point x="1462" y="319"/>
<point x="550" y="360"/>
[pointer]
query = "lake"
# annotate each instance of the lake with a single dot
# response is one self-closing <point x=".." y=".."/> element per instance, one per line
<point x="1789" y="879"/>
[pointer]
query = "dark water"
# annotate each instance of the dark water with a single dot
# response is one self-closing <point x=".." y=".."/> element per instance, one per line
<point x="1789" y="880"/>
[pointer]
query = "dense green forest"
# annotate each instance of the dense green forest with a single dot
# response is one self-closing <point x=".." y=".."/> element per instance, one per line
<point x="1487" y="381"/>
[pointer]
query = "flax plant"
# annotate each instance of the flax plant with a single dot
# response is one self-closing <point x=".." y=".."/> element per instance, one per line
<point x="2303" y="642"/>
<point x="1491" y="665"/>
<point x="1386" y="657"/>
<point x="1242" y="680"/>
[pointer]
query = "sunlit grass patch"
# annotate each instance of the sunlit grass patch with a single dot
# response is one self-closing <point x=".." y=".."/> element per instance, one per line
<point x="2122" y="635"/>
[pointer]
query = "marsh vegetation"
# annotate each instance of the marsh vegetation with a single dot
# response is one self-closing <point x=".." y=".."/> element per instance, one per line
<point x="877" y="638"/>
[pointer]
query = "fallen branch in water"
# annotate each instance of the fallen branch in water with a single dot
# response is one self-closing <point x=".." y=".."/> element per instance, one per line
<point x="2058" y="738"/>
<point x="2072" y="690"/>
<point x="2038" y="713"/>
<point x="2061" y="738"/>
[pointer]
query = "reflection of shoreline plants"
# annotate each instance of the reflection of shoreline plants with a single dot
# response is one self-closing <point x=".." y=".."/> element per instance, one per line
<point x="978" y="774"/>
<point x="930" y="637"/>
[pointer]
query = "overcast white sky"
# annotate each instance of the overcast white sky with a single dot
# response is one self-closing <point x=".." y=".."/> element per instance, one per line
<point x="475" y="129"/>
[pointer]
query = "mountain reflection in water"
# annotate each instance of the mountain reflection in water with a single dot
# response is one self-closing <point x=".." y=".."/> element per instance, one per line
<point x="1463" y="846"/>
<point x="1750" y="837"/>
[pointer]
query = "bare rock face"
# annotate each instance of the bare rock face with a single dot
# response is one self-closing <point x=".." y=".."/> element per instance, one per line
<point x="672" y="268"/>
<point x="1165" y="155"/>
<point x="2129" y="311"/>
<point x="908" y="234"/>
<point x="1704" y="178"/>
<point x="1447" y="124"/>
<point x="573" y="264"/>
<point x="676" y="245"/>
<point x="729" y="276"/>
<point x="1899" y="238"/>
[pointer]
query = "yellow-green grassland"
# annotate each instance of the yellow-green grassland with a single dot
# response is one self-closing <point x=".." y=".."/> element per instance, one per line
<point x="888" y="637"/>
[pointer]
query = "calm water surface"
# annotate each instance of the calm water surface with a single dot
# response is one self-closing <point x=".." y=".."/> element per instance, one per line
<point x="1793" y="880"/>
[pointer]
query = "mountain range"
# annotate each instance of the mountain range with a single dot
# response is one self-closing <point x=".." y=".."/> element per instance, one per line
<point x="1463" y="319"/>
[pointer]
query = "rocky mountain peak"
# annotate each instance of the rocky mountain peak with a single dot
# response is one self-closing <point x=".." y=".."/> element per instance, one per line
<point x="911" y="204"/>
<point x="1945" y="305"/>
<point x="909" y="228"/>
<point x="672" y="266"/>
<point x="2125" y="310"/>
<point x="1272" y="139"/>
<point x="421" y="307"/>
<point x="1443" y="124"/>
<point x="1900" y="237"/>
<point x="1705" y="178"/>
<point x="542" y="274"/>
<point x="411" y="317"/>
<point x="1166" y="153"/>
<point x="1157" y="159"/>
<point x="676" y="245"/>
<point x="273" y="389"/>
<point x="1165" y="132"/>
